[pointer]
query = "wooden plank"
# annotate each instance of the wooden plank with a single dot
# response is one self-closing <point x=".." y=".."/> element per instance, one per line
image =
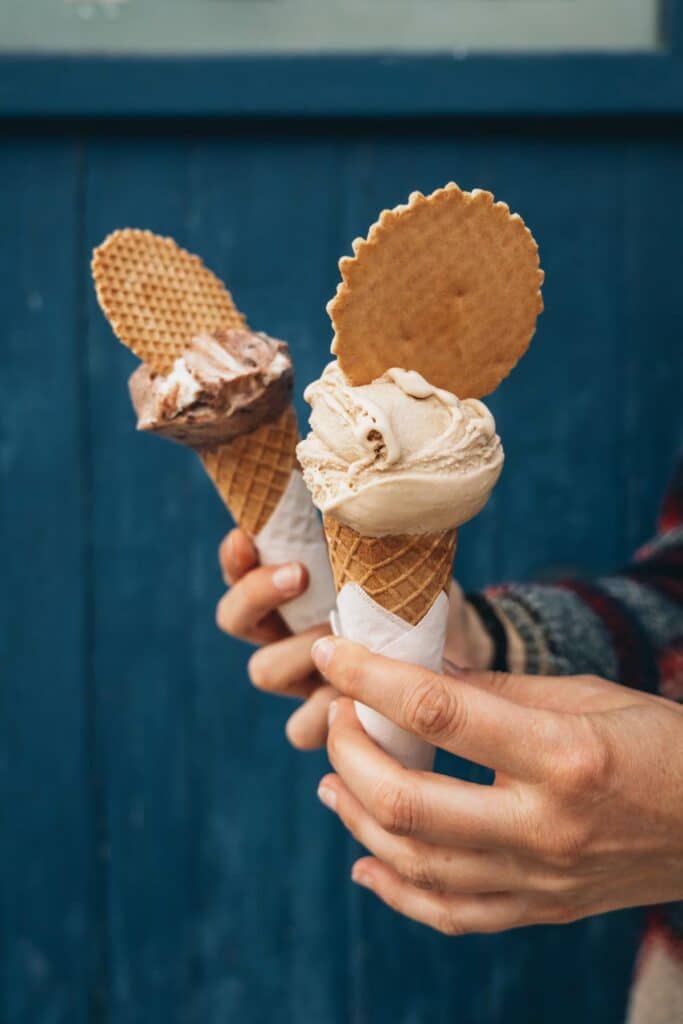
<point x="672" y="27"/>
<point x="379" y="170"/>
<point x="558" y="413"/>
<point x="564" y="392"/>
<point x="143" y="600"/>
<point x="651" y="421"/>
<point x="365" y="86"/>
<point x="382" y="169"/>
<point x="47" y="928"/>
<point x="273" y="924"/>
<point x="558" y="507"/>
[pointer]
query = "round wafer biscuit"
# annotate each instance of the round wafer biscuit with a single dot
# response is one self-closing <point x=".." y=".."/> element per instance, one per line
<point x="157" y="296"/>
<point x="448" y="285"/>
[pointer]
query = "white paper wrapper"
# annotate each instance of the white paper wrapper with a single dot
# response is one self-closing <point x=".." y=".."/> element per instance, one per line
<point x="294" y="533"/>
<point x="360" y="619"/>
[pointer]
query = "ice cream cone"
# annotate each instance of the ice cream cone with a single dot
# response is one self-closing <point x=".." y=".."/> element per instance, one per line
<point x="434" y="309"/>
<point x="157" y="297"/>
<point x="165" y="305"/>
<point x="403" y="573"/>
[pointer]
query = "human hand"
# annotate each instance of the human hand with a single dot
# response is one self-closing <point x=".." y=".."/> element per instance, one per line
<point x="249" y="612"/>
<point x="283" y="665"/>
<point x="585" y="814"/>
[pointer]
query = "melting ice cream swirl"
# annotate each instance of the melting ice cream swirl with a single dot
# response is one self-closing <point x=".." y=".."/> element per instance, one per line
<point x="398" y="455"/>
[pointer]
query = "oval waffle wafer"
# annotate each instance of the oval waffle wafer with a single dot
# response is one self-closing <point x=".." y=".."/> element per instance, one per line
<point x="157" y="296"/>
<point x="448" y="285"/>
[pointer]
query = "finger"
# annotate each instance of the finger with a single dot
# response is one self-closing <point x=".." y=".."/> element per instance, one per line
<point x="446" y="711"/>
<point x="307" y="727"/>
<point x="269" y="630"/>
<point x="259" y="594"/>
<point x="569" y="694"/>
<point x="450" y="914"/>
<point x="433" y="808"/>
<point x="428" y="866"/>
<point x="236" y="555"/>
<point x="286" y="667"/>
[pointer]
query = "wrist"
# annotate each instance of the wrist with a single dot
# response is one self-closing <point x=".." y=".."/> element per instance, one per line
<point x="516" y="653"/>
<point x="488" y="633"/>
<point x="493" y="642"/>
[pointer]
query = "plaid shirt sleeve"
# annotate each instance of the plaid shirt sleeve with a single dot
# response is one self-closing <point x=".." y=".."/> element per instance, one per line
<point x="627" y="627"/>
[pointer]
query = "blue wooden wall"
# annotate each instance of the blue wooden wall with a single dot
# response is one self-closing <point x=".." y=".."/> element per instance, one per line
<point x="163" y="857"/>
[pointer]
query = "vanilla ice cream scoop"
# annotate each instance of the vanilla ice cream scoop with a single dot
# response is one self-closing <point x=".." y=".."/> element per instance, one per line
<point x="224" y="384"/>
<point x="398" y="455"/>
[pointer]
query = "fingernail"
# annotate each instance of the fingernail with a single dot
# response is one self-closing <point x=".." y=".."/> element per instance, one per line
<point x="331" y="712"/>
<point x="361" y="877"/>
<point x="288" y="578"/>
<point x="322" y="652"/>
<point x="328" y="797"/>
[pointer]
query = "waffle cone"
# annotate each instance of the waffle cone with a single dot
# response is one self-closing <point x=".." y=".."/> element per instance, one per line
<point x="404" y="573"/>
<point x="252" y="472"/>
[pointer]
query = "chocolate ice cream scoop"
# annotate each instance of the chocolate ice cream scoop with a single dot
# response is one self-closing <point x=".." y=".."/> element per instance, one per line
<point x="225" y="384"/>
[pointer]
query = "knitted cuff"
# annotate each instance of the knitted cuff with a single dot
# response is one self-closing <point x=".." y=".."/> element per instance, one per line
<point x="537" y="655"/>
